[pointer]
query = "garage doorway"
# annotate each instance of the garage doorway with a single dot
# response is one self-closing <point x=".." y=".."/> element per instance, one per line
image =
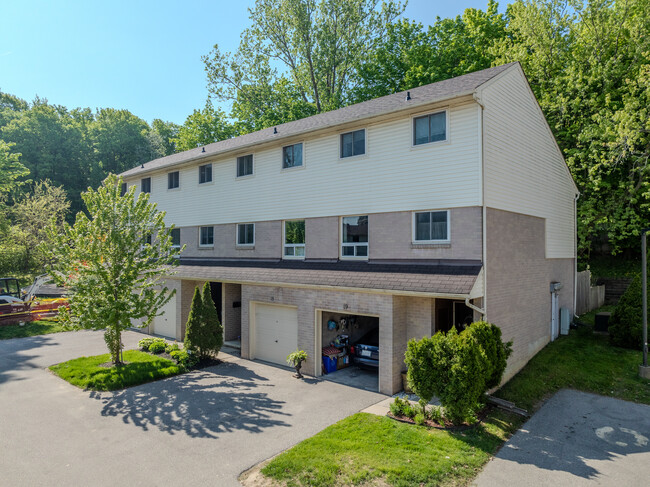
<point x="349" y="349"/>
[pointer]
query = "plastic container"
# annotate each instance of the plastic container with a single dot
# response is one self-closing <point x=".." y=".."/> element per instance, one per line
<point x="329" y="363"/>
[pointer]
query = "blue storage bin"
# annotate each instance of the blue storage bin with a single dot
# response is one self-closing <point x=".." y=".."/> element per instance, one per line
<point x="329" y="363"/>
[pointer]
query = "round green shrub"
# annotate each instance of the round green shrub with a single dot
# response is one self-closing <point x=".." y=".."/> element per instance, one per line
<point x="457" y="368"/>
<point x="157" y="347"/>
<point x="625" y="324"/>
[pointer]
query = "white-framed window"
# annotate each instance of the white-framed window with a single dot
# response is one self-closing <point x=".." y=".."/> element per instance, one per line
<point x="245" y="234"/>
<point x="176" y="238"/>
<point x="292" y="156"/>
<point x="294" y="239"/>
<point x="145" y="185"/>
<point x="353" y="143"/>
<point x="354" y="237"/>
<point x="206" y="236"/>
<point x="173" y="180"/>
<point x="245" y="165"/>
<point x="431" y="226"/>
<point x="430" y="128"/>
<point x="205" y="173"/>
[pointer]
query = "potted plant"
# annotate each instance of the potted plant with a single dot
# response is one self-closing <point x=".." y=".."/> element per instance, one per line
<point x="296" y="359"/>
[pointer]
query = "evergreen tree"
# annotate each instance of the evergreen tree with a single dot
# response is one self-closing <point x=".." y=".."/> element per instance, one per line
<point x="212" y="333"/>
<point x="193" y="326"/>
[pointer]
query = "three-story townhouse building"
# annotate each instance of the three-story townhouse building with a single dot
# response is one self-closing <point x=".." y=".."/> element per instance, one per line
<point x="409" y="213"/>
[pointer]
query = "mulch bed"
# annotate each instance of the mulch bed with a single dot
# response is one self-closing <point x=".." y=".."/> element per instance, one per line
<point x="448" y="426"/>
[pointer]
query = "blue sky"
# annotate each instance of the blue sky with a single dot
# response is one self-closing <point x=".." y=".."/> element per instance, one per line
<point x="142" y="55"/>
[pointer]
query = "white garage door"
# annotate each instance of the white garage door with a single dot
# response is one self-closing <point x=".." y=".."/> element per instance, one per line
<point x="165" y="324"/>
<point x="276" y="332"/>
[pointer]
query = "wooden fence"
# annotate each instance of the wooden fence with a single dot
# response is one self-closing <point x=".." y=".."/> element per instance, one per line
<point x="588" y="297"/>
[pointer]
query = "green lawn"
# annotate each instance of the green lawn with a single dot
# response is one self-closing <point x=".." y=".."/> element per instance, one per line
<point x="141" y="367"/>
<point x="30" y="329"/>
<point x="363" y="447"/>
<point x="582" y="361"/>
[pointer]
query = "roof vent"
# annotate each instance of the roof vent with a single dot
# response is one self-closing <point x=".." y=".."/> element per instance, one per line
<point x="275" y="130"/>
<point x="203" y="150"/>
<point x="408" y="95"/>
<point x="142" y="166"/>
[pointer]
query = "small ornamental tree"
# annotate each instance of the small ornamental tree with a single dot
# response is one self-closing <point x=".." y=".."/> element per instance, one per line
<point x="114" y="279"/>
<point x="212" y="330"/>
<point x="193" y="326"/>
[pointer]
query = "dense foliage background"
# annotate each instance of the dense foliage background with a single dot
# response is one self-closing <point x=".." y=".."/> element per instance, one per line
<point x="588" y="63"/>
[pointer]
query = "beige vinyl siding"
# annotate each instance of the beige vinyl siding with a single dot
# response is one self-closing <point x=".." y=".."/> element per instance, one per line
<point x="524" y="170"/>
<point x="391" y="176"/>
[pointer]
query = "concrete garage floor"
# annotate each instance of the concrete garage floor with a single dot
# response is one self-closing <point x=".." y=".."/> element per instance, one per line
<point x="576" y="439"/>
<point x="354" y="376"/>
<point x="204" y="427"/>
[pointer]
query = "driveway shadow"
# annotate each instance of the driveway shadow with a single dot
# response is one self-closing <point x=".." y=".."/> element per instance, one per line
<point x="201" y="404"/>
<point x="572" y="432"/>
<point x="19" y="354"/>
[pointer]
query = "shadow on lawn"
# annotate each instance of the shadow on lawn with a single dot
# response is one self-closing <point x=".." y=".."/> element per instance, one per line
<point x="203" y="404"/>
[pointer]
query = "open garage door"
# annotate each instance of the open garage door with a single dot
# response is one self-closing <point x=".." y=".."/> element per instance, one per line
<point x="165" y="324"/>
<point x="276" y="332"/>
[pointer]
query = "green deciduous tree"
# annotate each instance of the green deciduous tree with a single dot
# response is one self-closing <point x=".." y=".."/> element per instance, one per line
<point x="45" y="206"/>
<point x="11" y="169"/>
<point x="203" y="127"/>
<point x="116" y="280"/>
<point x="588" y="63"/>
<point x="410" y="55"/>
<point x="315" y="45"/>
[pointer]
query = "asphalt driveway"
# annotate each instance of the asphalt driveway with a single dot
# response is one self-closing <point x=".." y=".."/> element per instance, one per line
<point x="201" y="428"/>
<point x="576" y="439"/>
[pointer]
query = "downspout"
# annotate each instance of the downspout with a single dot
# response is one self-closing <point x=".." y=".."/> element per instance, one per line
<point x="474" y="307"/>
<point x="575" y="255"/>
<point x="483" y="210"/>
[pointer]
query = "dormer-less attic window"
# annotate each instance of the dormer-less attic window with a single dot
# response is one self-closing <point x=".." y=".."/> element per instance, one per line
<point x="145" y="185"/>
<point x="430" y="128"/>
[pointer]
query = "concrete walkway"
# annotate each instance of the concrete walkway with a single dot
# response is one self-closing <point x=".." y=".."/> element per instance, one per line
<point x="200" y="428"/>
<point x="576" y="439"/>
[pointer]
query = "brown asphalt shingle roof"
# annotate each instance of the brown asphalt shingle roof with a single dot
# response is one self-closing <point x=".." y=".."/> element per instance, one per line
<point x="425" y="279"/>
<point x="442" y="90"/>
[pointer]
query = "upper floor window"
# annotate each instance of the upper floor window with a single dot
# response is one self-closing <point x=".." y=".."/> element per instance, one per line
<point x="205" y="173"/>
<point x="294" y="239"/>
<point x="123" y="189"/>
<point x="245" y="165"/>
<point x="176" y="238"/>
<point x="354" y="234"/>
<point x="173" y="180"/>
<point x="431" y="226"/>
<point x="245" y="234"/>
<point x="292" y="156"/>
<point x="145" y="185"/>
<point x="206" y="236"/>
<point x="430" y="128"/>
<point x="353" y="143"/>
